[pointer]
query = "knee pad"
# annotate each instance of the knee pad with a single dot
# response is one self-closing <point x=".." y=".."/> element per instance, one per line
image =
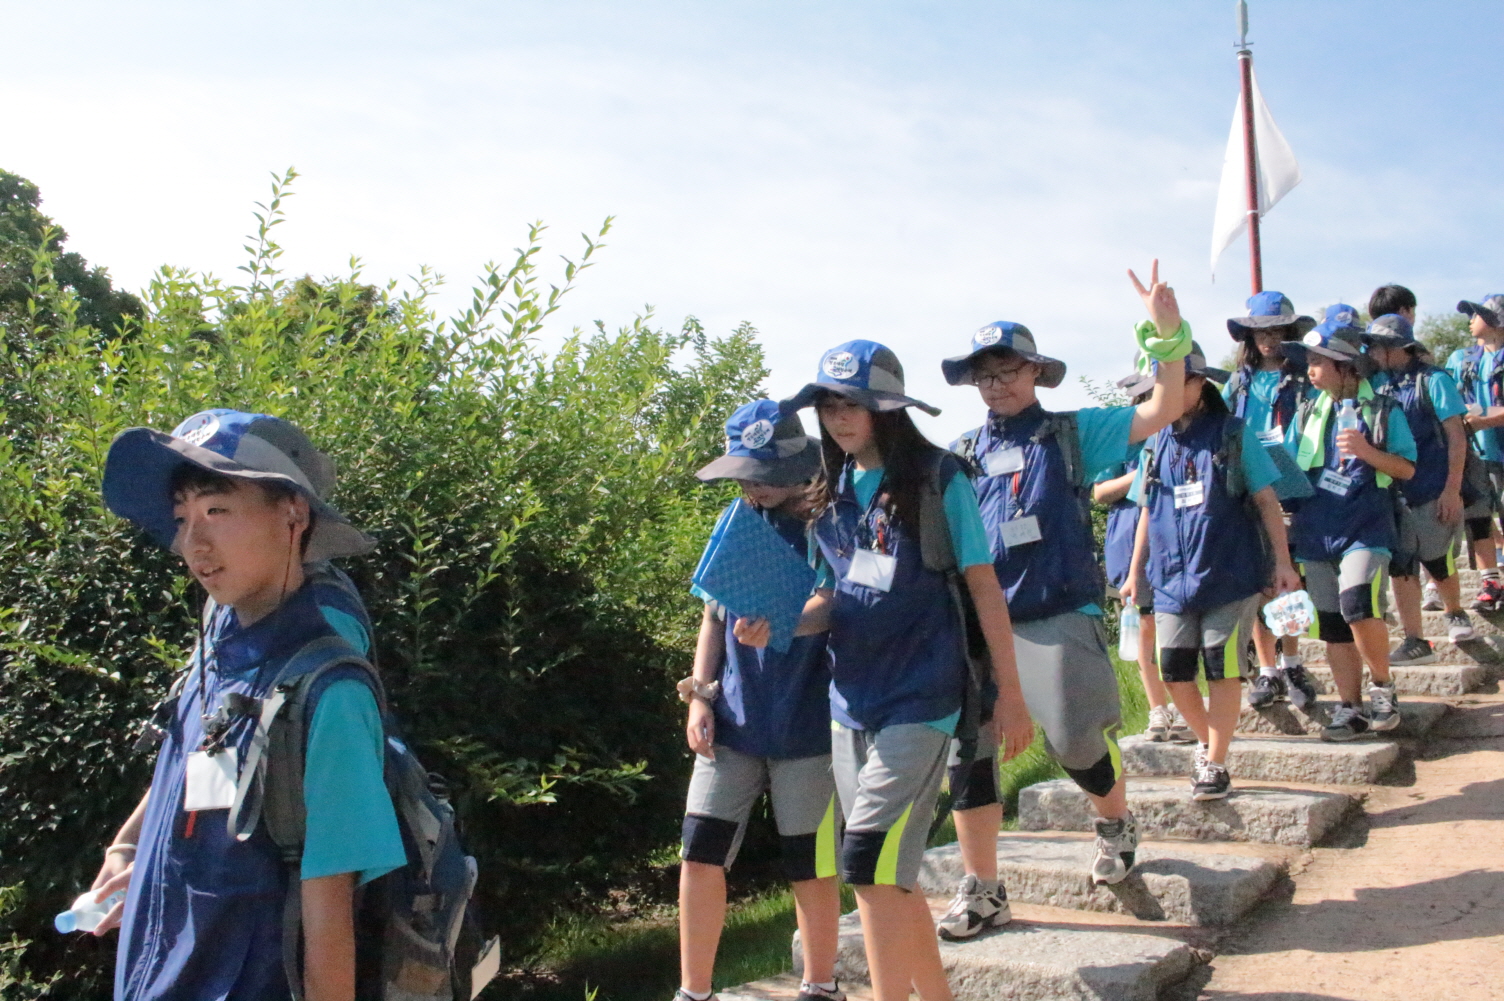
<point x="1223" y="661"/>
<point x="1441" y="568"/>
<point x="1178" y="663"/>
<point x="1097" y="780"/>
<point x="860" y="851"/>
<point x="973" y="784"/>
<point x="1479" y="528"/>
<point x="1333" y="628"/>
<point x="796" y="852"/>
<point x="707" y="839"/>
<point x="1359" y="603"/>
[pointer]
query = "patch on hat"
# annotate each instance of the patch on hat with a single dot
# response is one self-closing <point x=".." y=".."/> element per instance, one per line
<point x="1346" y="317"/>
<point x="1312" y="339"/>
<point x="987" y="336"/>
<point x="841" y="365"/>
<point x="198" y="429"/>
<point x="757" y="434"/>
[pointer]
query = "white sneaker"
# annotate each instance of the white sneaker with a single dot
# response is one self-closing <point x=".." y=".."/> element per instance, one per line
<point x="974" y="908"/>
<point x="1117" y="849"/>
<point x="1160" y="718"/>
<point x="1180" y="732"/>
<point x="1431" y="600"/>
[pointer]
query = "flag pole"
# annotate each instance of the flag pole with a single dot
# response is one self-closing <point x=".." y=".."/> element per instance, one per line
<point x="1250" y="152"/>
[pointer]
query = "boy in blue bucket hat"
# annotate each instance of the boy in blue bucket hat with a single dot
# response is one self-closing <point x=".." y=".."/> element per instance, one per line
<point x="1433" y="496"/>
<point x="1479" y="371"/>
<point x="1035" y="470"/>
<point x="1345" y="533"/>
<point x="759" y="720"/>
<point x="242" y="498"/>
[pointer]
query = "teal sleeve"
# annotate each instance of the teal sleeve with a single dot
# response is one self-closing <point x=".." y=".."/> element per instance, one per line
<point x="1454" y="364"/>
<point x="1111" y="473"/>
<point x="1445" y="399"/>
<point x="349" y="628"/>
<point x="1259" y="471"/>
<point x="968" y="536"/>
<point x="1136" y="491"/>
<point x="1104" y="437"/>
<point x="1401" y="442"/>
<point x="352" y="826"/>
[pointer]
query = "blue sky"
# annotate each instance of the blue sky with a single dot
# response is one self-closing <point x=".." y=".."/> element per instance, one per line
<point x="901" y="172"/>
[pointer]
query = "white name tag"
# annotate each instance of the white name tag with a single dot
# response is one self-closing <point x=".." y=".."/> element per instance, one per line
<point x="211" y="779"/>
<point x="874" y="570"/>
<point x="1190" y="494"/>
<point x="1334" y="482"/>
<point x="1004" y="461"/>
<point x="1020" y="531"/>
<point x="1274" y="436"/>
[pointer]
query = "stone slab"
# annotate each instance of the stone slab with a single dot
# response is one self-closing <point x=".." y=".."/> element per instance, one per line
<point x="1416" y="719"/>
<point x="1270" y="759"/>
<point x="1165" y="810"/>
<point x="1035" y="962"/>
<point x="1424" y="679"/>
<point x="1486" y="650"/>
<point x="1435" y="624"/>
<point x="1194" y="888"/>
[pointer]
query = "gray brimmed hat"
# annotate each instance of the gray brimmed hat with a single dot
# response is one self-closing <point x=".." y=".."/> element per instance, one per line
<point x="766" y="446"/>
<point x="139" y="468"/>
<point x="1391" y="331"/>
<point x="1337" y="337"/>
<point x="1143" y="378"/>
<point x="863" y="371"/>
<point x="1491" y="309"/>
<point x="1003" y="336"/>
<point x="1269" y="309"/>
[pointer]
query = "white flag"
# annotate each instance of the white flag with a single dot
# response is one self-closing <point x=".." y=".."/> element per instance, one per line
<point x="1278" y="173"/>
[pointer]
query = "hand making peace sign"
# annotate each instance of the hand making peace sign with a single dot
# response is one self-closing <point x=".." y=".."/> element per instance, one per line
<point x="1159" y="300"/>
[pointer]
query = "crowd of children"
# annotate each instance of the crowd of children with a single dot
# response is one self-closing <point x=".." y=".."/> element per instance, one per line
<point x="958" y="604"/>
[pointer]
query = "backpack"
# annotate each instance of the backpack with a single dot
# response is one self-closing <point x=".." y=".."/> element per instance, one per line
<point x="417" y="938"/>
<point x="1475" y="483"/>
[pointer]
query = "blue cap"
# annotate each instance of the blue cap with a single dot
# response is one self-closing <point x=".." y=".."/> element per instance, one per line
<point x="765" y="445"/>
<point x="1491" y="309"/>
<point x="1392" y="331"/>
<point x="1269" y="309"/>
<point x="1003" y="335"/>
<point x="863" y="371"/>
<point x="139" y="468"/>
<point x="1338" y="337"/>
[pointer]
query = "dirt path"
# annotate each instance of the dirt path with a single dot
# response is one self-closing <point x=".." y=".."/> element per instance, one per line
<point x="1415" y="910"/>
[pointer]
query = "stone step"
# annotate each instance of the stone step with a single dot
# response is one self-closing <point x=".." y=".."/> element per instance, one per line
<point x="1423" y="679"/>
<point x="1416" y="719"/>
<point x="1041" y="961"/>
<point x="1485" y="650"/>
<point x="1270" y="759"/>
<point x="1168" y="883"/>
<point x="1435" y="624"/>
<point x="1165" y="810"/>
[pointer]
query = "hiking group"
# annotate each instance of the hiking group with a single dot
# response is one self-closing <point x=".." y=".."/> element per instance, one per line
<point x="290" y="845"/>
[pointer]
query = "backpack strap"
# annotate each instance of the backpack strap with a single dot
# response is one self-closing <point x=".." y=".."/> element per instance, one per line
<point x="1231" y="454"/>
<point x="965" y="449"/>
<point x="1235" y="385"/>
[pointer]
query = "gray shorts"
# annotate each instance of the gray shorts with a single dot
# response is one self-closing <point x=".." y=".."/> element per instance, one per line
<point x="1071" y="689"/>
<point x="1491" y="484"/>
<point x="1348" y="590"/>
<point x="974" y="783"/>
<point x="723" y="790"/>
<point x="1216" y="640"/>
<point x="1431" y="541"/>
<point x="888" y="781"/>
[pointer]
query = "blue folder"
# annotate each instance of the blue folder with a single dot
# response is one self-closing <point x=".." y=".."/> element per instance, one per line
<point x="1293" y="483"/>
<point x="754" y="573"/>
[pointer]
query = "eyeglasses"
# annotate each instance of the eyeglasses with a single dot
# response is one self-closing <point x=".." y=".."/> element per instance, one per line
<point x="998" y="376"/>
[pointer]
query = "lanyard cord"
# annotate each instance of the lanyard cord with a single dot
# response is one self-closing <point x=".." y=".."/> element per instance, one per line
<point x="879" y="538"/>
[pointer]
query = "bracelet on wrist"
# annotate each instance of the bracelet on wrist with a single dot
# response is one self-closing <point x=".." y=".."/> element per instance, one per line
<point x="689" y="689"/>
<point x="121" y="847"/>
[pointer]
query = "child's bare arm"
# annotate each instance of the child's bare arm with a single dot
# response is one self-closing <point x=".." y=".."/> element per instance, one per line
<point x="115" y="872"/>
<point x="814" y="619"/>
<point x="1109" y="492"/>
<point x="329" y="938"/>
<point x="710" y="654"/>
<point x="1286" y="578"/>
<point x="1010" y="715"/>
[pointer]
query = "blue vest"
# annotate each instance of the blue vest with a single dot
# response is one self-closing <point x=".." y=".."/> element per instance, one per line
<point x="895" y="657"/>
<point x="1059" y="573"/>
<point x="203" y="917"/>
<point x="1206" y="555"/>
<point x="1117" y="547"/>
<point x="775" y="705"/>
<point x="1430" y="440"/>
<point x="1326" y="526"/>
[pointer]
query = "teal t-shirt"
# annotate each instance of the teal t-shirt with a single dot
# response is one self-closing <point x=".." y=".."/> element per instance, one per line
<point x="351" y="823"/>
<point x="1487" y="440"/>
<point x="1441" y="387"/>
<point x="1259" y="410"/>
<point x="1259" y="471"/>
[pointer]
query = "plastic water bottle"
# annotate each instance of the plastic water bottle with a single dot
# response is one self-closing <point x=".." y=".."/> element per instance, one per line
<point x="85" y="914"/>
<point x="1290" y="614"/>
<point x="1128" y="624"/>
<point x="1347" y="417"/>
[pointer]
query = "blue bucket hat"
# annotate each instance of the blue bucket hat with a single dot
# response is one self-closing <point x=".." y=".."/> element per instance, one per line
<point x="1491" y="309"/>
<point x="1338" y="337"/>
<point x="257" y="447"/>
<point x="1391" y="331"/>
<point x="767" y="446"/>
<point x="1265" y="310"/>
<point x="863" y="371"/>
<point x="1003" y="336"/>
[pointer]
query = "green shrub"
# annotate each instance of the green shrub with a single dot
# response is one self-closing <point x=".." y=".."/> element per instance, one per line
<point x="536" y="523"/>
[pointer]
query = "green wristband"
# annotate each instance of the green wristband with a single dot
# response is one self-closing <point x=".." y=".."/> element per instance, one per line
<point x="1165" y="349"/>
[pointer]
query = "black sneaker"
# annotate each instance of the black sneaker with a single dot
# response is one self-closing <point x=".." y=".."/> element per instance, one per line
<point x="1348" y="723"/>
<point x="1490" y="597"/>
<point x="1413" y="651"/>
<point x="1267" y="689"/>
<point x="1384" y="707"/>
<point x="1302" y="692"/>
<point x="1211" y="782"/>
